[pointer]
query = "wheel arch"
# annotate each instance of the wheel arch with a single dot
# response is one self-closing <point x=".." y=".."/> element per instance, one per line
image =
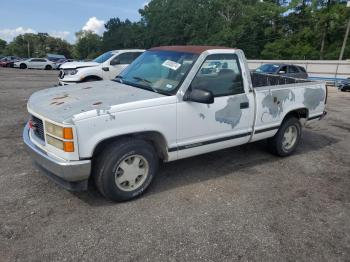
<point x="155" y="138"/>
<point x="299" y="113"/>
<point x="91" y="77"/>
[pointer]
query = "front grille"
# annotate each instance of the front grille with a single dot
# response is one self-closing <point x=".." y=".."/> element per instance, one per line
<point x="61" y="74"/>
<point x="38" y="128"/>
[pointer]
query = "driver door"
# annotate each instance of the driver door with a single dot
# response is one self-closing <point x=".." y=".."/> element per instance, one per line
<point x="228" y="121"/>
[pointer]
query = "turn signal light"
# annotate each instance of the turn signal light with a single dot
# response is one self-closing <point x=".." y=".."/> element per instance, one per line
<point x="68" y="146"/>
<point x="67" y="133"/>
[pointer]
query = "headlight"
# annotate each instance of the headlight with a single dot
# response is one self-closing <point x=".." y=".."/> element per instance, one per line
<point x="66" y="146"/>
<point x="70" y="72"/>
<point x="56" y="136"/>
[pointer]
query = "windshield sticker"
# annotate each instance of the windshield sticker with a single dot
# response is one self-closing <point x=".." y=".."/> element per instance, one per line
<point x="171" y="64"/>
<point x="169" y="86"/>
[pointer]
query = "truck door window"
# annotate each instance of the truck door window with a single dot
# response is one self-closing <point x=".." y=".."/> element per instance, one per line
<point x="136" y="54"/>
<point x="126" y="58"/>
<point x="221" y="74"/>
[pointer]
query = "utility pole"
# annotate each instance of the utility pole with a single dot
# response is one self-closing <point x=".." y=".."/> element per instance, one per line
<point x="28" y="48"/>
<point x="345" y="37"/>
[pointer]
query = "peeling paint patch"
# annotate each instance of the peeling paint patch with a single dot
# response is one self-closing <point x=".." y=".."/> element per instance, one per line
<point x="60" y="97"/>
<point x="201" y="115"/>
<point x="231" y="114"/>
<point x="313" y="97"/>
<point x="111" y="117"/>
<point x="274" y="101"/>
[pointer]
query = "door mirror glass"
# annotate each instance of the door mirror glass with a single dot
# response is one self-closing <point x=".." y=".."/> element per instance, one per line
<point x="282" y="72"/>
<point x="200" y="96"/>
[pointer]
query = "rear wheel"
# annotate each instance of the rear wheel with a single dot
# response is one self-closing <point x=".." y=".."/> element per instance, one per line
<point x="23" y="66"/>
<point x="287" y="138"/>
<point x="125" y="169"/>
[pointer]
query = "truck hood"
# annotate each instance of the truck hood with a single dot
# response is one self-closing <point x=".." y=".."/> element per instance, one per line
<point x="74" y="65"/>
<point x="61" y="104"/>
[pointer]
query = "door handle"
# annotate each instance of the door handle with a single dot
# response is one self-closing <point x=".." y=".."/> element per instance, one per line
<point x="244" y="105"/>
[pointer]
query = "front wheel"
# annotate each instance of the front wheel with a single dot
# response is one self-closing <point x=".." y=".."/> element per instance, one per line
<point x="125" y="169"/>
<point x="287" y="138"/>
<point x="23" y="66"/>
<point x="48" y="67"/>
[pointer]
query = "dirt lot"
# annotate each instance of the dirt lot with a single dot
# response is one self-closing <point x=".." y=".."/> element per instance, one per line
<point x="236" y="204"/>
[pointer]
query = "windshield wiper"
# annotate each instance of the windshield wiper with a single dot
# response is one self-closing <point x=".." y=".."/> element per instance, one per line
<point x="118" y="79"/>
<point x="146" y="81"/>
<point x="142" y="79"/>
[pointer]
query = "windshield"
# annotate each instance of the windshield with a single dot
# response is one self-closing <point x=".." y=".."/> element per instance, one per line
<point x="158" y="71"/>
<point x="267" y="68"/>
<point x="104" y="57"/>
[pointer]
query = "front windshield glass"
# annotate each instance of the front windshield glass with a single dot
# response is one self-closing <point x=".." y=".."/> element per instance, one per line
<point x="103" y="58"/>
<point x="158" y="71"/>
<point x="267" y="68"/>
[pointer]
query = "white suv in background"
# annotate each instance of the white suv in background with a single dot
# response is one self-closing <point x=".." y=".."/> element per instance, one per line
<point x="105" y="67"/>
<point x="36" y="63"/>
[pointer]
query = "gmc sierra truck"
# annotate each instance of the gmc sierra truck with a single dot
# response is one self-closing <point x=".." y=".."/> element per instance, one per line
<point x="165" y="106"/>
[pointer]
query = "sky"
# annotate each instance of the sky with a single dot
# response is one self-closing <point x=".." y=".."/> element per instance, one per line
<point x="62" y="18"/>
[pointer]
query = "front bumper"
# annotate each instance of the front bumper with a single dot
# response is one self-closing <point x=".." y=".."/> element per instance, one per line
<point x="64" y="83"/>
<point x="72" y="175"/>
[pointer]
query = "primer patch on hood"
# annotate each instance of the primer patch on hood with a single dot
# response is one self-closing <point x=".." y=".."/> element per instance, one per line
<point x="62" y="103"/>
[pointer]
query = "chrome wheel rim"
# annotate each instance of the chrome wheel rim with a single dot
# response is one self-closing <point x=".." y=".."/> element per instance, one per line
<point x="289" y="137"/>
<point x="131" y="172"/>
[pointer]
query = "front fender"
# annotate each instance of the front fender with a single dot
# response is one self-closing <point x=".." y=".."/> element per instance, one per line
<point x="92" y="131"/>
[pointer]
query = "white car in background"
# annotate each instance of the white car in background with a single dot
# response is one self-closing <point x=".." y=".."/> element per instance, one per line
<point x="36" y="63"/>
<point x="105" y="67"/>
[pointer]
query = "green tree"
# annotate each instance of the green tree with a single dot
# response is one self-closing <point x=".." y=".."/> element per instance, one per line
<point x="88" y="45"/>
<point x="38" y="45"/>
<point x="122" y="35"/>
<point x="3" y="45"/>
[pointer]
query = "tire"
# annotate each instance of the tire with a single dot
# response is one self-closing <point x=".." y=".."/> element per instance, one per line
<point x="48" y="67"/>
<point x="291" y="128"/>
<point x="23" y="66"/>
<point x="111" y="165"/>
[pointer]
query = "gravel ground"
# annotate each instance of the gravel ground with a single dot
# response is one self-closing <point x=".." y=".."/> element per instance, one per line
<point x="240" y="204"/>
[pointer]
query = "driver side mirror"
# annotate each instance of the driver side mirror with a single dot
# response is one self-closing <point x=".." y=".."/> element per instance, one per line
<point x="199" y="96"/>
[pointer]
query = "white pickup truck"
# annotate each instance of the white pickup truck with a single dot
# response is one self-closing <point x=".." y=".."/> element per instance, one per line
<point x="105" y="67"/>
<point x="164" y="107"/>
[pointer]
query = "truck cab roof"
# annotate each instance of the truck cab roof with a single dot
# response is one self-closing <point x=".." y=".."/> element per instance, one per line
<point x="195" y="49"/>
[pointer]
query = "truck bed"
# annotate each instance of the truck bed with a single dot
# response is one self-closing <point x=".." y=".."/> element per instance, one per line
<point x="259" y="80"/>
<point x="277" y="95"/>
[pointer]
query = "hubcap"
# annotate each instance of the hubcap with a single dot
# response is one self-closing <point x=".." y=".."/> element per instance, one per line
<point x="289" y="138"/>
<point x="131" y="172"/>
